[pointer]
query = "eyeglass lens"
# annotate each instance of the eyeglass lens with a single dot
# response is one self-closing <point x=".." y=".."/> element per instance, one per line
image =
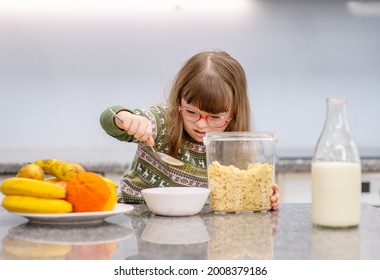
<point x="212" y="120"/>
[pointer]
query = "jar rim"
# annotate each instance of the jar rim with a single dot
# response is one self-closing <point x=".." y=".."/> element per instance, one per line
<point x="239" y="135"/>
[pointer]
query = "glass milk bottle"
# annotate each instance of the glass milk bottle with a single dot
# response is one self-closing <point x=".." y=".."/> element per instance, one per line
<point x="336" y="172"/>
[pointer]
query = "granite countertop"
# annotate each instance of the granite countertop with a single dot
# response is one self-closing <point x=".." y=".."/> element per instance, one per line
<point x="283" y="164"/>
<point x="299" y="160"/>
<point x="117" y="160"/>
<point x="284" y="234"/>
<point x="299" y="164"/>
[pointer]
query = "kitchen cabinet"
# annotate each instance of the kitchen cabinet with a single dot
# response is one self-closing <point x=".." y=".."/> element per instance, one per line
<point x="294" y="187"/>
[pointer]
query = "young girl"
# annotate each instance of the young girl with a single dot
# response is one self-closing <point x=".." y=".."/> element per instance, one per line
<point x="209" y="94"/>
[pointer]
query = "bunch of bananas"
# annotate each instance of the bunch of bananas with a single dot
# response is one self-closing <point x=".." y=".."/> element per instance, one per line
<point x="26" y="195"/>
<point x="30" y="192"/>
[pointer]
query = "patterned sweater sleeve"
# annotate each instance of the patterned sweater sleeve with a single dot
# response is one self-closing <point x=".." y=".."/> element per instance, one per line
<point x="154" y="114"/>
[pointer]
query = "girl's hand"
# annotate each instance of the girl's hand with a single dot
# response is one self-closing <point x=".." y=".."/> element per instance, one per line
<point x="138" y="126"/>
<point x="275" y="198"/>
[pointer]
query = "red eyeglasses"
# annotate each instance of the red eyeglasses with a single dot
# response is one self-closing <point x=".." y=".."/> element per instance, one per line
<point x="212" y="120"/>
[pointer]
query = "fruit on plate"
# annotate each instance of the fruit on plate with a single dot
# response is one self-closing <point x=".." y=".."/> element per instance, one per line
<point x="29" y="204"/>
<point x="63" y="170"/>
<point x="31" y="171"/>
<point x="69" y="189"/>
<point x="112" y="198"/>
<point x="31" y="187"/>
<point x="77" y="167"/>
<point x="26" y="195"/>
<point x="52" y="180"/>
<point x="88" y="192"/>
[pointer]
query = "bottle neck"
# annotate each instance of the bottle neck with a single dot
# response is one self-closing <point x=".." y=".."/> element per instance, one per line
<point x="336" y="116"/>
<point x="336" y="143"/>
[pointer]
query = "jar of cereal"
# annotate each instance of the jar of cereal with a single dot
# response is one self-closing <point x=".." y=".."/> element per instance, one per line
<point x="240" y="168"/>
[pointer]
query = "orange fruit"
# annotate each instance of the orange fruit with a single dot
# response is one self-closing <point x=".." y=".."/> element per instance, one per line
<point x="87" y="192"/>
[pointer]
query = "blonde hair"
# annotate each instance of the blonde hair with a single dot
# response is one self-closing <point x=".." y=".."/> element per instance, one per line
<point x="214" y="82"/>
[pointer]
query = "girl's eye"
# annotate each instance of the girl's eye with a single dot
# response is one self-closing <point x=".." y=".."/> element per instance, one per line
<point x="190" y="112"/>
<point x="215" y="117"/>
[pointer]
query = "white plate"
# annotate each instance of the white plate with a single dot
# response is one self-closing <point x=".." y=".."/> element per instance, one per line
<point x="77" y="218"/>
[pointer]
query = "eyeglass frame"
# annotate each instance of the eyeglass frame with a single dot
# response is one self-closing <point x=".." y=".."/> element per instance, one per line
<point x="226" y="120"/>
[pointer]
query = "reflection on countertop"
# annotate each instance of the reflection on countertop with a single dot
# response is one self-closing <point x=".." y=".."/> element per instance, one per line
<point x="175" y="230"/>
<point x="100" y="242"/>
<point x="46" y="242"/>
<point x="139" y="234"/>
<point x="241" y="236"/>
<point x="284" y="234"/>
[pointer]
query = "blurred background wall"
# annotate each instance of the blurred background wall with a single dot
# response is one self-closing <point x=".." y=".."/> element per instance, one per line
<point x="63" y="62"/>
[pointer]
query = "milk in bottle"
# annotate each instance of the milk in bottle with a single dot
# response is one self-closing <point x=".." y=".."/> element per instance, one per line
<point x="336" y="172"/>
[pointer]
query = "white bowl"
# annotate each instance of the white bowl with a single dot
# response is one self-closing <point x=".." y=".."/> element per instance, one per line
<point x="175" y="201"/>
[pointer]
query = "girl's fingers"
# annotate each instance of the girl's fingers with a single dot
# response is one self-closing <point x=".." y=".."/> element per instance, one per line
<point x="150" y="141"/>
<point x="129" y="125"/>
<point x="148" y="134"/>
<point x="139" y="127"/>
<point x="142" y="131"/>
<point x="133" y="127"/>
<point x="275" y="198"/>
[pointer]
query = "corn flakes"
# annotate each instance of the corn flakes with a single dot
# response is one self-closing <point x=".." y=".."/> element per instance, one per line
<point x="236" y="190"/>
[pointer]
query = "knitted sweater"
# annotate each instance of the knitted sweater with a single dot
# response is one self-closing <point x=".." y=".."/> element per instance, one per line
<point x="146" y="169"/>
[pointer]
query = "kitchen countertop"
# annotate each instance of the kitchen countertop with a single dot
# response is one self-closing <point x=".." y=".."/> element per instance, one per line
<point x="117" y="160"/>
<point x="299" y="160"/>
<point x="284" y="234"/>
<point x="283" y="164"/>
<point x="301" y="165"/>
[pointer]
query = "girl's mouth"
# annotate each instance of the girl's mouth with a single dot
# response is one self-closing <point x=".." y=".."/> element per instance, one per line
<point x="200" y="134"/>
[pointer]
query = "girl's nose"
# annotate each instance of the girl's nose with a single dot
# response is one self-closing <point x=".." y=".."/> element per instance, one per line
<point x="202" y="122"/>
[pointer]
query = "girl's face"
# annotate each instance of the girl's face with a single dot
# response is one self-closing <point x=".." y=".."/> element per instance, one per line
<point x="196" y="123"/>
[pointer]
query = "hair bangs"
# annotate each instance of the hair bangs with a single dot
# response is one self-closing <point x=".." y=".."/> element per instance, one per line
<point x="209" y="94"/>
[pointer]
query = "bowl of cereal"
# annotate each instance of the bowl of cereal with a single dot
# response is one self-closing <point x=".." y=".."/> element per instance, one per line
<point x="175" y="201"/>
<point x="240" y="169"/>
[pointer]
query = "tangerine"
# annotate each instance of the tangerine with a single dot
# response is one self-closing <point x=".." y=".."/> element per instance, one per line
<point x="87" y="192"/>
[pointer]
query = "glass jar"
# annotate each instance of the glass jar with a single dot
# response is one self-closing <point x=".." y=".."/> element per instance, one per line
<point x="336" y="172"/>
<point x="240" y="168"/>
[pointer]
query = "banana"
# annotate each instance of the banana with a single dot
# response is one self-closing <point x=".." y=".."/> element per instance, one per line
<point x="77" y="167"/>
<point x="27" y="204"/>
<point x="31" y="187"/>
<point x="63" y="170"/>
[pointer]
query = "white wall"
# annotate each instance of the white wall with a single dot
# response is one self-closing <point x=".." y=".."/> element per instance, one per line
<point x="61" y="65"/>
